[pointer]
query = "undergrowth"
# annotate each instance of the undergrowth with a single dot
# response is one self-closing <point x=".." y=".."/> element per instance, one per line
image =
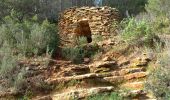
<point x="105" y="96"/>
<point x="78" y="53"/>
<point x="28" y="37"/>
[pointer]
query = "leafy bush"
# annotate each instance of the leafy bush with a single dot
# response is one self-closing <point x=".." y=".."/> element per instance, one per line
<point x="80" y="40"/>
<point x="74" y="54"/>
<point x="158" y="10"/>
<point x="15" y="76"/>
<point x="78" y="53"/>
<point x="137" y="32"/>
<point x="20" y="81"/>
<point x="158" y="7"/>
<point x="10" y="70"/>
<point x="106" y="96"/>
<point x="97" y="38"/>
<point x="8" y="63"/>
<point x="159" y="80"/>
<point x="29" y="37"/>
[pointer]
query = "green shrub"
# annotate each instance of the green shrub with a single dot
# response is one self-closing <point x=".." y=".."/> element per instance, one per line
<point x="161" y="25"/>
<point x="74" y="54"/>
<point x="20" y="81"/>
<point x="159" y="80"/>
<point x="8" y="62"/>
<point x="29" y="37"/>
<point x="78" y="53"/>
<point x="10" y="71"/>
<point x="43" y="86"/>
<point x="158" y="7"/>
<point x="15" y="75"/>
<point x="158" y="10"/>
<point x="97" y="38"/>
<point x="81" y="41"/>
<point x="137" y="32"/>
<point x="106" y="96"/>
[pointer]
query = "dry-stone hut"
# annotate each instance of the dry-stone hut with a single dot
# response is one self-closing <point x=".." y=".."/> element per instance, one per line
<point x="101" y="20"/>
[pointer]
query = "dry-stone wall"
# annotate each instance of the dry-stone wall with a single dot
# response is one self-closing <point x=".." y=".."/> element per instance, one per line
<point x="101" y="20"/>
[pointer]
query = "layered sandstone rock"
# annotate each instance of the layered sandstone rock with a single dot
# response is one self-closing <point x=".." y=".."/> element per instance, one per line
<point x="100" y="75"/>
<point x="81" y="93"/>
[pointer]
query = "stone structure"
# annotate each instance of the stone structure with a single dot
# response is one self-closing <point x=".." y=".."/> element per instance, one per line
<point x="101" y="20"/>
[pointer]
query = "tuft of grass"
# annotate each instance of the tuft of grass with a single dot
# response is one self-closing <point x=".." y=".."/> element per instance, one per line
<point x="82" y="40"/>
<point x="98" y="38"/>
<point x="105" y="96"/>
<point x="74" y="54"/>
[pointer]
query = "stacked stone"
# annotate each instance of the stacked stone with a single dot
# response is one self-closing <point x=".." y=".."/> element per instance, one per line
<point x="101" y="19"/>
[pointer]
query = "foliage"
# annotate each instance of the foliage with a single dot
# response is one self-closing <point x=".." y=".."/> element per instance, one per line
<point x="28" y="37"/>
<point x="74" y="54"/>
<point x="28" y="8"/>
<point x="15" y="75"/>
<point x="10" y="70"/>
<point x="48" y="9"/>
<point x="158" y="7"/>
<point x="137" y="32"/>
<point x="106" y="96"/>
<point x="161" y="25"/>
<point x="158" y="10"/>
<point x="133" y="7"/>
<point x="158" y="80"/>
<point x="8" y="63"/>
<point x="78" y="53"/>
<point x="41" y="85"/>
<point x="98" y="38"/>
<point x="20" y="80"/>
<point x="81" y="40"/>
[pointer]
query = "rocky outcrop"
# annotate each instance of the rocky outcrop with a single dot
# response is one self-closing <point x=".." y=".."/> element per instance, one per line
<point x="103" y="66"/>
<point x="134" y="85"/>
<point x="74" y="70"/>
<point x="81" y="93"/>
<point x="48" y="97"/>
<point x="106" y="74"/>
<point x="136" y="95"/>
<point x="125" y="74"/>
<point x="77" y="77"/>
